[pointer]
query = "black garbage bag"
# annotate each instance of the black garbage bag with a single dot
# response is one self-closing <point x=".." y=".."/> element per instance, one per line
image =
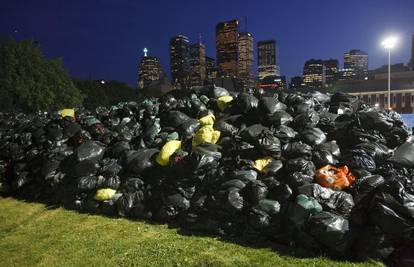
<point x="119" y="149"/>
<point x="336" y="201"/>
<point x="226" y="129"/>
<point x="323" y="157"/>
<point x="83" y="168"/>
<point x="300" y="165"/>
<point x="254" y="192"/>
<point x="269" y="145"/>
<point x="313" y="136"/>
<point x="188" y="128"/>
<point x="308" y="119"/>
<point x="392" y="209"/>
<point x="216" y="92"/>
<point x="269" y="105"/>
<point x="90" y="150"/>
<point x="281" y="193"/>
<point x="89" y="182"/>
<point x="245" y="103"/>
<point x="258" y="219"/>
<point x="273" y="167"/>
<point x="244" y="175"/>
<point x="364" y="188"/>
<point x="297" y="179"/>
<point x="284" y="133"/>
<point x="403" y="256"/>
<point x="372" y="243"/>
<point x="404" y="155"/>
<point x="359" y="159"/>
<point x="279" y="117"/>
<point x="174" y="118"/>
<point x="252" y="133"/>
<point x="378" y="151"/>
<point x="296" y="149"/>
<point x="135" y="162"/>
<point x="330" y="230"/>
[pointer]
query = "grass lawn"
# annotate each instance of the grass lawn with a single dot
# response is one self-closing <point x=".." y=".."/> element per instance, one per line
<point x="32" y="235"/>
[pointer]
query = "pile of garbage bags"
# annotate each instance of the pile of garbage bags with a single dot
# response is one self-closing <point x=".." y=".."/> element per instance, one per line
<point x="323" y="172"/>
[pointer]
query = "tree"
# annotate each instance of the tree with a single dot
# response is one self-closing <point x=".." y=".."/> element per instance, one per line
<point x="29" y="82"/>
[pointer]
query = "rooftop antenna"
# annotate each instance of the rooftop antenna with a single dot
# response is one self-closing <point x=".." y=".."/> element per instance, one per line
<point x="199" y="38"/>
<point x="145" y="50"/>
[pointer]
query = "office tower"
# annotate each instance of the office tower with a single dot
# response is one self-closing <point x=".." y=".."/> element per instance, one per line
<point x="331" y="71"/>
<point x="296" y="83"/>
<point x="212" y="71"/>
<point x="198" y="64"/>
<point x="149" y="70"/>
<point x="245" y="71"/>
<point x="180" y="61"/>
<point x="227" y="47"/>
<point x="266" y="59"/>
<point x="313" y="73"/>
<point x="356" y="61"/>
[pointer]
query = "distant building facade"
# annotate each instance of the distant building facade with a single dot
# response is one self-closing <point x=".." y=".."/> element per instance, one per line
<point x="245" y="61"/>
<point x="149" y="70"/>
<point x="180" y="61"/>
<point x="227" y="47"/>
<point x="313" y="73"/>
<point x="357" y="62"/>
<point x="296" y="83"/>
<point x="212" y="71"/>
<point x="331" y="72"/>
<point x="198" y="64"/>
<point x="266" y="59"/>
<point x="412" y="55"/>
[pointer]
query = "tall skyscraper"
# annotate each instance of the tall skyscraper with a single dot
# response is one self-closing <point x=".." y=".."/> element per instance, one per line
<point x="180" y="61"/>
<point x="212" y="71"/>
<point x="227" y="46"/>
<point x="313" y="73"/>
<point x="198" y="64"/>
<point x="331" y="71"/>
<point x="357" y="61"/>
<point x="266" y="59"/>
<point x="245" y="71"/>
<point x="149" y="70"/>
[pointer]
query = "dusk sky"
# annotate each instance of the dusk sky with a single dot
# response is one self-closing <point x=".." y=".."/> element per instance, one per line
<point x="105" y="39"/>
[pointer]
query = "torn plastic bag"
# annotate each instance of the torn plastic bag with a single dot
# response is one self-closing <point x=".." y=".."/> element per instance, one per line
<point x="338" y="201"/>
<point x="296" y="149"/>
<point x="330" y="230"/>
<point x="300" y="165"/>
<point x="284" y="133"/>
<point x="404" y="155"/>
<point x="333" y="177"/>
<point x="313" y="136"/>
<point x="138" y="161"/>
<point x="300" y="210"/>
<point x="90" y="150"/>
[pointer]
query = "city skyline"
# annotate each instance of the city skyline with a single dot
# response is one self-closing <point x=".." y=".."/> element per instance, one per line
<point x="104" y="40"/>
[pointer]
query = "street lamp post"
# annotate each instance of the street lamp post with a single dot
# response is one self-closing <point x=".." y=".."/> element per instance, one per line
<point x="388" y="44"/>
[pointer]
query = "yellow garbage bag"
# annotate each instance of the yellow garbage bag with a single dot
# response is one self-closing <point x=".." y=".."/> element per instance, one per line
<point x="104" y="194"/>
<point x="163" y="158"/>
<point x="260" y="164"/>
<point x="67" y="112"/>
<point x="206" y="134"/>
<point x="207" y="120"/>
<point x="223" y="102"/>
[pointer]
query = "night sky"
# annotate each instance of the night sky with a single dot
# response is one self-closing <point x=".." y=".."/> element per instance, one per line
<point x="104" y="39"/>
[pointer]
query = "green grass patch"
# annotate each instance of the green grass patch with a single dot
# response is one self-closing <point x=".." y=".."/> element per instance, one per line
<point x="32" y="235"/>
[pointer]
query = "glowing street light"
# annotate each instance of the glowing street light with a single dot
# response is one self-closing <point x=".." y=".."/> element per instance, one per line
<point x="389" y="44"/>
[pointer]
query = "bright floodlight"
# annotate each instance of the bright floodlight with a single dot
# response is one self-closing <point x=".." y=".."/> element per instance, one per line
<point x="389" y="43"/>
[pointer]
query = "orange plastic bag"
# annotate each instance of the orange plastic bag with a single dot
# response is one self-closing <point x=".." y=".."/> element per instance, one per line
<point x="333" y="177"/>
